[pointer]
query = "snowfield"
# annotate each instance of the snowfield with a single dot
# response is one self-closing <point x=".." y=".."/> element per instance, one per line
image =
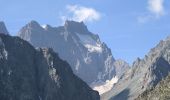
<point x="103" y="87"/>
<point x="89" y="43"/>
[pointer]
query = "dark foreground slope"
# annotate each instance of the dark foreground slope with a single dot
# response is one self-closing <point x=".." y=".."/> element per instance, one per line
<point x="30" y="74"/>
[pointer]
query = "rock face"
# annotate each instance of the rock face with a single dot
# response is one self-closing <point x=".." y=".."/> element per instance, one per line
<point x="3" y="29"/>
<point x="160" y="92"/>
<point x="121" y="66"/>
<point x="30" y="74"/>
<point x="89" y="58"/>
<point x="144" y="74"/>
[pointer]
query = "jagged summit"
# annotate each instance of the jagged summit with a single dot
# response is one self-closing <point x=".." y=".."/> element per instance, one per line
<point x="73" y="26"/>
<point x="3" y="29"/>
<point x="69" y="22"/>
<point x="34" y="24"/>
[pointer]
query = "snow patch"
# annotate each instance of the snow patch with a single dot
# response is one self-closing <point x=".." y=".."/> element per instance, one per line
<point x="103" y="87"/>
<point x="54" y="76"/>
<point x="44" y="26"/>
<point x="89" y="43"/>
<point x="92" y="48"/>
<point x="86" y="39"/>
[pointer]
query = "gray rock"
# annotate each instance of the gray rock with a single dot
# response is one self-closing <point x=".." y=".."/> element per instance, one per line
<point x="30" y="74"/>
<point x="121" y="67"/>
<point x="3" y="29"/>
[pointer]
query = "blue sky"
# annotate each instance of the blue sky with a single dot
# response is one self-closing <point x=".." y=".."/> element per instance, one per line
<point x="129" y="27"/>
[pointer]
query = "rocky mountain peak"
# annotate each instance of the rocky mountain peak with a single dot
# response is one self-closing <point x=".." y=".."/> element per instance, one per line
<point x="3" y="29"/>
<point x="34" y="24"/>
<point x="73" y="26"/>
<point x="121" y="67"/>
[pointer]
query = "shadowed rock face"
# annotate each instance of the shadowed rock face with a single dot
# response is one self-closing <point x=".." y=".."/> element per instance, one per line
<point x="3" y="29"/>
<point x="144" y="73"/>
<point x="30" y="74"/>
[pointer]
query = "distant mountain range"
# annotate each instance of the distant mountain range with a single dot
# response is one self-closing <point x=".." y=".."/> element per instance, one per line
<point x="37" y="74"/>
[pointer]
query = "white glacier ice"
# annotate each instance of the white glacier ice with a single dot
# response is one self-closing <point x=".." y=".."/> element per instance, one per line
<point x="103" y="87"/>
<point x="89" y="43"/>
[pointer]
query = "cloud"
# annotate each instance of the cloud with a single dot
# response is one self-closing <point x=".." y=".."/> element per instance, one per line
<point x="155" y="10"/>
<point x="81" y="13"/>
<point x="156" y="7"/>
<point x="145" y="18"/>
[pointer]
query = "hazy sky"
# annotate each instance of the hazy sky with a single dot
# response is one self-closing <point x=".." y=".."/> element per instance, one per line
<point x="129" y="27"/>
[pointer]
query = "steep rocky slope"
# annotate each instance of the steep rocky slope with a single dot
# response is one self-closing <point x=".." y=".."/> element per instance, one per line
<point x="89" y="58"/>
<point x="121" y="67"/>
<point x="160" y="92"/>
<point x="30" y="74"/>
<point x="144" y="74"/>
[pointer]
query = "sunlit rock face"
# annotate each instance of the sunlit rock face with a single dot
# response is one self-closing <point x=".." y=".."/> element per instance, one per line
<point x="89" y="58"/>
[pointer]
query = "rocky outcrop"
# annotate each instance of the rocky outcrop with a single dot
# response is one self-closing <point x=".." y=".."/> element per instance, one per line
<point x="30" y="74"/>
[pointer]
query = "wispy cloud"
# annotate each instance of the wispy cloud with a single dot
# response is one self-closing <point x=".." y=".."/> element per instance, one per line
<point x="81" y="13"/>
<point x="155" y="10"/>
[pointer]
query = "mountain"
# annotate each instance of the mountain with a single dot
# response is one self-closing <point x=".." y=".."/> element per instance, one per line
<point x="160" y="92"/>
<point x="144" y="74"/>
<point x="89" y="58"/>
<point x="37" y="74"/>
<point x="3" y="28"/>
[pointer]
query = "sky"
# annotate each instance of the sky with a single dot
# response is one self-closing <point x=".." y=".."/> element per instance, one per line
<point x="129" y="27"/>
